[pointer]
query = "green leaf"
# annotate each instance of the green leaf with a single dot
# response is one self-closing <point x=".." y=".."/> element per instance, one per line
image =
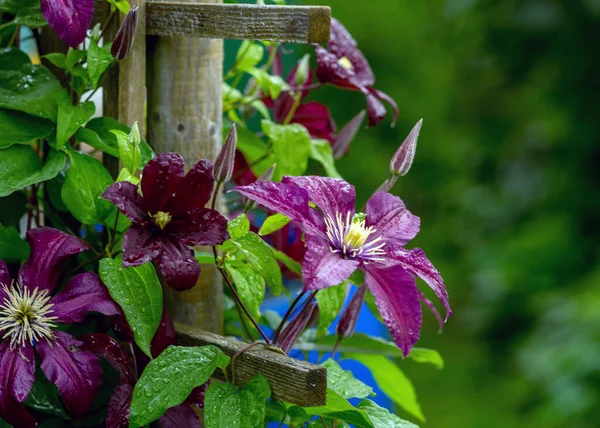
<point x="169" y="379"/>
<point x="14" y="6"/>
<point x="13" y="59"/>
<point x="427" y="356"/>
<point x="99" y="60"/>
<point x="44" y="397"/>
<point x="273" y="223"/>
<point x="91" y="138"/>
<point x="205" y="258"/>
<point x="57" y="59"/>
<point x="70" y="118"/>
<point x="320" y="150"/>
<point x="272" y="85"/>
<point x="381" y="418"/>
<point x="227" y="406"/>
<point x="249" y="55"/>
<point x="254" y="149"/>
<point x="330" y="300"/>
<point x="30" y="16"/>
<point x="19" y="128"/>
<point x="289" y="263"/>
<point x="129" y="152"/>
<point x="20" y="167"/>
<point x="31" y="89"/>
<point x="14" y="207"/>
<point x="103" y="127"/>
<point x="260" y="255"/>
<point x="344" y="383"/>
<point x="85" y="181"/>
<point x="122" y="5"/>
<point x="138" y="292"/>
<point x="74" y="56"/>
<point x="13" y="248"/>
<point x="392" y="381"/>
<point x="249" y="285"/>
<point x="291" y="146"/>
<point x="238" y="227"/>
<point x="4" y="424"/>
<point x="338" y="407"/>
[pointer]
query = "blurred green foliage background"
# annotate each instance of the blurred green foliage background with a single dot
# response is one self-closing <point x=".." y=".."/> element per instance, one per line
<point x="506" y="184"/>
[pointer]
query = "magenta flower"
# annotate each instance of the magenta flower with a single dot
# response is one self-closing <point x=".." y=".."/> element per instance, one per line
<point x="169" y="217"/>
<point x="344" y="65"/>
<point x="29" y="314"/>
<point x="70" y="19"/>
<point x="339" y="241"/>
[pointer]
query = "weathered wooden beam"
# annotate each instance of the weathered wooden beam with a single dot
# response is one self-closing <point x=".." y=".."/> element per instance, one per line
<point x="299" y="24"/>
<point x="291" y="380"/>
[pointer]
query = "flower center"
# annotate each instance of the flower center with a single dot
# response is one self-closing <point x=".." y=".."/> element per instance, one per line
<point x="161" y="219"/>
<point x="25" y="315"/>
<point x="351" y="237"/>
<point x="345" y="62"/>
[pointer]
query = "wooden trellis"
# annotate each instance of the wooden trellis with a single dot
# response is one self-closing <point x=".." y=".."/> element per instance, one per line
<point x="176" y="65"/>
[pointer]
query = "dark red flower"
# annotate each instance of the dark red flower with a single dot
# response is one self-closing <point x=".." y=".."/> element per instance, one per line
<point x="344" y="65"/>
<point x="29" y="314"/>
<point x="169" y="217"/>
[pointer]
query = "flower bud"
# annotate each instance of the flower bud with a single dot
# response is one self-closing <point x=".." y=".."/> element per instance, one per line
<point x="223" y="167"/>
<point x="403" y="158"/>
<point x="294" y="329"/>
<point x="342" y="142"/>
<point x="347" y="323"/>
<point x="123" y="41"/>
<point x="303" y="70"/>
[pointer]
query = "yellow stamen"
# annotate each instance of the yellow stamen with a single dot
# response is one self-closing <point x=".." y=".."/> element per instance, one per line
<point x="345" y="62"/>
<point x="161" y="219"/>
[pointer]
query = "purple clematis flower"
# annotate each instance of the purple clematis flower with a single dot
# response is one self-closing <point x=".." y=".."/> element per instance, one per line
<point x="29" y="314"/>
<point x="70" y="19"/>
<point x="169" y="217"/>
<point x="339" y="241"/>
<point x="344" y="65"/>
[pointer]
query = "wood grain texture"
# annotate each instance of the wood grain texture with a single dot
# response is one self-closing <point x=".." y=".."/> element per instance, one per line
<point x="291" y="380"/>
<point x="300" y="24"/>
<point x="184" y="116"/>
<point x="125" y="83"/>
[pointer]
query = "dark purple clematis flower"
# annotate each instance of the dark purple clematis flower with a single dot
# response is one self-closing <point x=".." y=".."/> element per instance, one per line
<point x="339" y="241"/>
<point x="169" y="217"/>
<point x="70" y="19"/>
<point x="344" y="65"/>
<point x="29" y="314"/>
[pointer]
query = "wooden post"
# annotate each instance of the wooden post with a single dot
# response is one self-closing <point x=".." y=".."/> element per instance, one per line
<point x="184" y="116"/>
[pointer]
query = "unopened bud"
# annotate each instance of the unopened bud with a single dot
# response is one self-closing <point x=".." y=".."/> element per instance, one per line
<point x="223" y="167"/>
<point x="303" y="70"/>
<point x="123" y="41"/>
<point x="134" y="135"/>
<point x="342" y="142"/>
<point x="403" y="158"/>
<point x="347" y="323"/>
<point x="294" y="329"/>
<point x="267" y="175"/>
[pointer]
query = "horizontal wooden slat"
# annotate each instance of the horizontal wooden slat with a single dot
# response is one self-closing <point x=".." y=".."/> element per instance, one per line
<point x="300" y="24"/>
<point x="291" y="380"/>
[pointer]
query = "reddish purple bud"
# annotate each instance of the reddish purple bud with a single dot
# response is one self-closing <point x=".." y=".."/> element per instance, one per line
<point x="403" y="158"/>
<point x="294" y="329"/>
<point x="342" y="141"/>
<point x="267" y="175"/>
<point x="123" y="41"/>
<point x="223" y="166"/>
<point x="347" y="324"/>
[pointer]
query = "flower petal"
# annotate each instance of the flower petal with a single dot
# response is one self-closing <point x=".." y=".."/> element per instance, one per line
<point x="342" y="44"/>
<point x="376" y="111"/>
<point x="322" y="267"/>
<point x="165" y="335"/>
<point x="75" y="372"/>
<point x="416" y="262"/>
<point x="331" y="195"/>
<point x="316" y="118"/>
<point x="180" y="416"/>
<point x="160" y="180"/>
<point x="433" y="309"/>
<point x="4" y="279"/>
<point x="107" y="348"/>
<point x="388" y="214"/>
<point x="202" y="226"/>
<point x="49" y="247"/>
<point x="397" y="299"/>
<point x="70" y="19"/>
<point x="17" y="373"/>
<point x="196" y="397"/>
<point x="83" y="293"/>
<point x="176" y="262"/>
<point x="195" y="190"/>
<point x="126" y="198"/>
<point x="139" y="246"/>
<point x="385" y="97"/>
<point x="118" y="407"/>
<point x="341" y="144"/>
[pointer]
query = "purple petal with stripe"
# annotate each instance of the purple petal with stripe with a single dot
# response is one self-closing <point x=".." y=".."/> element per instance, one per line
<point x="201" y="226"/>
<point x="118" y="407"/>
<point x="17" y="372"/>
<point x="160" y="180"/>
<point x="70" y="19"/>
<point x="322" y="267"/>
<point x="388" y="214"/>
<point x="177" y="264"/>
<point x="139" y="246"/>
<point x="180" y="416"/>
<point x="126" y="198"/>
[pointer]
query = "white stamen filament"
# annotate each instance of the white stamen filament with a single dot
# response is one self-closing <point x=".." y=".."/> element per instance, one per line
<point x="351" y="237"/>
<point x="25" y="315"/>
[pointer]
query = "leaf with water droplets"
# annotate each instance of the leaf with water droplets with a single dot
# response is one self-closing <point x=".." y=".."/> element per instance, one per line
<point x="169" y="379"/>
<point x="330" y="300"/>
<point x="99" y="60"/>
<point x="249" y="285"/>
<point x="291" y="146"/>
<point x="134" y="289"/>
<point x="70" y="118"/>
<point x="381" y="418"/>
<point x="13" y="248"/>
<point x="273" y="223"/>
<point x="227" y="406"/>
<point x="21" y="128"/>
<point x="344" y="383"/>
